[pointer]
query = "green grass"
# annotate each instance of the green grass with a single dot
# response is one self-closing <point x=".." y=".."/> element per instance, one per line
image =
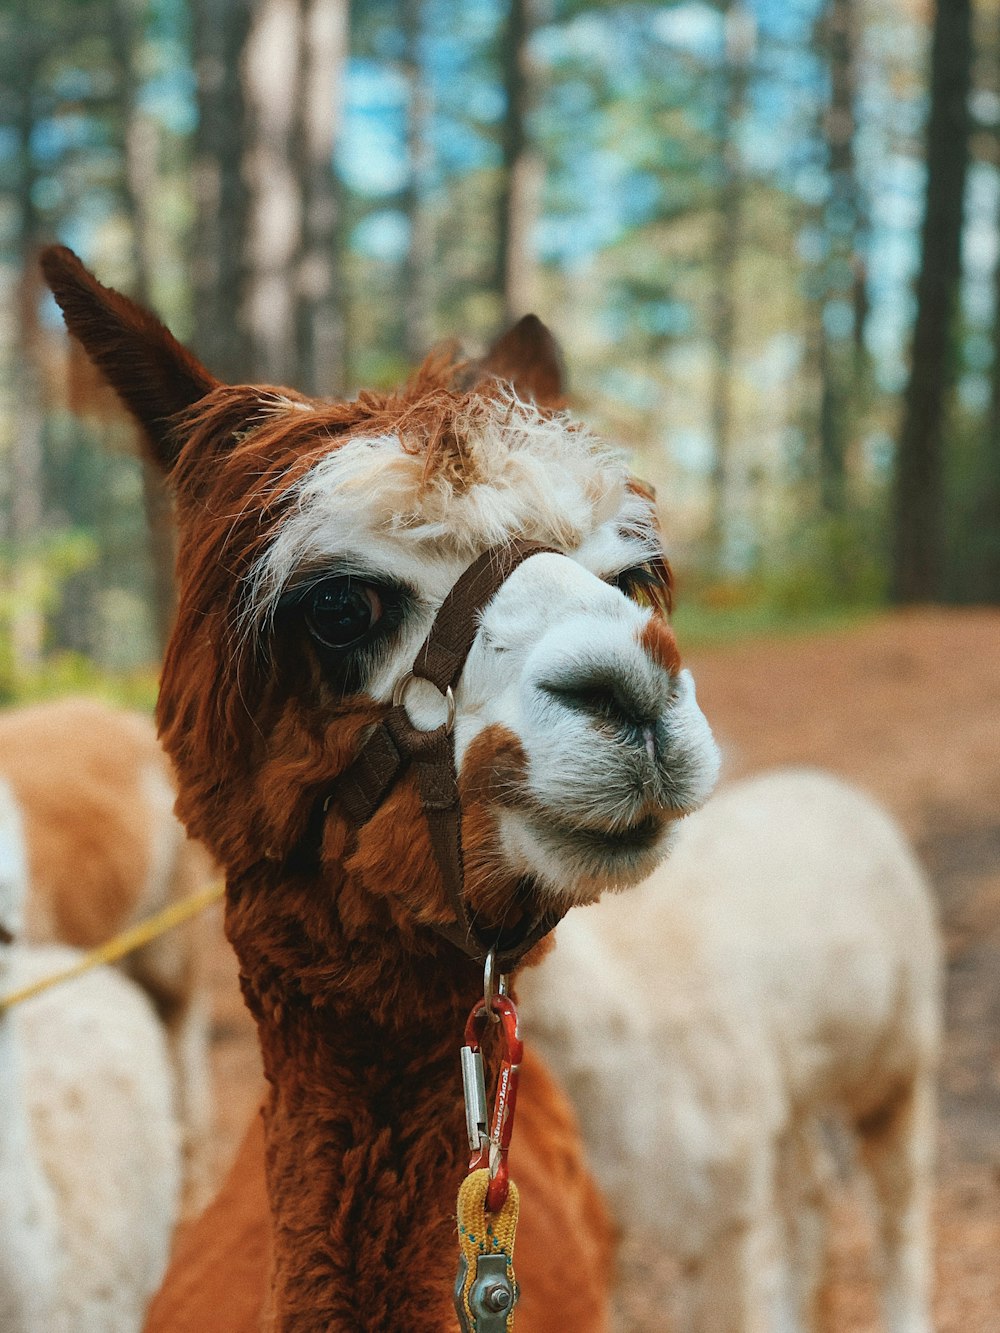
<point x="701" y="626"/>
<point x="71" y="673"/>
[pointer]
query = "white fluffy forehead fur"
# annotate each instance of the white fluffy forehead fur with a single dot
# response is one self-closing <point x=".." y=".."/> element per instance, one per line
<point x="369" y="507"/>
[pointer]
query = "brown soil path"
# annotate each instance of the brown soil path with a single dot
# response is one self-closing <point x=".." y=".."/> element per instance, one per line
<point x="908" y="706"/>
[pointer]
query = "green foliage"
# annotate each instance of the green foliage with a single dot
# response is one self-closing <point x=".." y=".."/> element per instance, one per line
<point x="703" y="626"/>
<point x="834" y="561"/>
<point x="37" y="574"/>
<point x="37" y="578"/>
<point x="972" y="550"/>
<point x="828" y="572"/>
<point x="64" y="673"/>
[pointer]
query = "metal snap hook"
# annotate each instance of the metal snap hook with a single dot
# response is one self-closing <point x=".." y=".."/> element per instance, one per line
<point x="399" y="693"/>
<point x="493" y="985"/>
<point x="490" y="1150"/>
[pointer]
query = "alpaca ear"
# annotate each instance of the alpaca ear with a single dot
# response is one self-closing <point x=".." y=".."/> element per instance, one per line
<point x="529" y="357"/>
<point x="154" y="376"/>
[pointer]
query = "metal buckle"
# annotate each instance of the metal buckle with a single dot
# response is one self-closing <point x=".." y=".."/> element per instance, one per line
<point x="492" y="985"/>
<point x="399" y="693"/>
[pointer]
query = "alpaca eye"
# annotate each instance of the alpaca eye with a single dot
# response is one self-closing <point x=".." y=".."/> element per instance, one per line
<point x="649" y="585"/>
<point x="341" y="612"/>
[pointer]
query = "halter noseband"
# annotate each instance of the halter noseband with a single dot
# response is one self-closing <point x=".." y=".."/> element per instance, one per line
<point x="395" y="744"/>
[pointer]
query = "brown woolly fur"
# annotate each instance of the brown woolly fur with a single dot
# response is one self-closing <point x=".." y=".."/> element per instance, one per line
<point x="658" y="641"/>
<point x="360" y="1006"/>
<point x="493" y="777"/>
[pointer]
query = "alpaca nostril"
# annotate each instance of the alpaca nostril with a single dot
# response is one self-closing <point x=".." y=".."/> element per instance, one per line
<point x="649" y="740"/>
<point x="609" y="699"/>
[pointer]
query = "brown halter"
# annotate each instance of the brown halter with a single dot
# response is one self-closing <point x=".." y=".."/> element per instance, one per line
<point x="395" y="744"/>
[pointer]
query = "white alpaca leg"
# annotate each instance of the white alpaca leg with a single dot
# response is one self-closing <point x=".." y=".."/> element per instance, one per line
<point x="161" y="970"/>
<point x="31" y="1262"/>
<point x="897" y="1147"/>
<point x="805" y="1179"/>
<point x="187" y="1038"/>
<point x="171" y="969"/>
<point x="687" y="1296"/>
<point x="738" y="1286"/>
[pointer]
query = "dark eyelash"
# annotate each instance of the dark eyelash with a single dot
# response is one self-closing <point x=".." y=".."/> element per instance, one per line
<point x="649" y="585"/>
<point x="396" y="598"/>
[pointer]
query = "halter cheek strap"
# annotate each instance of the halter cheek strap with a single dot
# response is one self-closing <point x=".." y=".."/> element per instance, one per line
<point x="395" y="744"/>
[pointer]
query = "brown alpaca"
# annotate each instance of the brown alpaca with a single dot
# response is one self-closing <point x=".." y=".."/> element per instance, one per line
<point x="317" y="542"/>
<point x="105" y="851"/>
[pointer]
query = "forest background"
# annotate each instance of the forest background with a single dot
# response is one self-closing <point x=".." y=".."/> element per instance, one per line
<point x="766" y="233"/>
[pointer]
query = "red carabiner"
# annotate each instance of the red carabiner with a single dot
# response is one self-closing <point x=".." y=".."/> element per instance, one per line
<point x="493" y="1152"/>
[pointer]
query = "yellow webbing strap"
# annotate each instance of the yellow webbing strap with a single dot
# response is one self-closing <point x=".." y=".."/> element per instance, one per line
<point x="120" y="945"/>
<point x="480" y="1232"/>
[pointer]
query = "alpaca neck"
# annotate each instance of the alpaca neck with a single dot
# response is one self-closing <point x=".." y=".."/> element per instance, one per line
<point x="365" y="1134"/>
<point x="29" y="1248"/>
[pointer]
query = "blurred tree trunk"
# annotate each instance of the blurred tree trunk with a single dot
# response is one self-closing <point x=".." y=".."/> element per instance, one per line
<point x="139" y="149"/>
<point x="419" y="294"/>
<point x="222" y="338"/>
<point x="520" y="171"/>
<point x="991" y="499"/>
<point x="292" y="70"/>
<point x="26" y="482"/>
<point x="319" y="323"/>
<point x="740" y="41"/>
<point x="919" y="494"/>
<point x="273" y="75"/>
<point x="844" y="302"/>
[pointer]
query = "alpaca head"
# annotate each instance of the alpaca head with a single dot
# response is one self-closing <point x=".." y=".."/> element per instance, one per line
<point x="316" y="542"/>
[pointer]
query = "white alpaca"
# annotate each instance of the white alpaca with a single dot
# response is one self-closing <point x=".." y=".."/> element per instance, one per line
<point x="89" y="1143"/>
<point x="104" y="852"/>
<point x="783" y="963"/>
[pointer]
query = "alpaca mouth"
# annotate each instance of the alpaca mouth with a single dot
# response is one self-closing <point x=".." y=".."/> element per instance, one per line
<point x="602" y="849"/>
<point x="573" y="862"/>
<point x="640" y="836"/>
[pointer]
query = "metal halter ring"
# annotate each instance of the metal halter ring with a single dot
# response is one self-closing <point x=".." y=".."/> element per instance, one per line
<point x="400" y="690"/>
<point x="492" y="985"/>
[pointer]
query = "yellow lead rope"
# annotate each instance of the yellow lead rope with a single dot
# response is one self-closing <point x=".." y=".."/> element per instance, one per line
<point x="120" y="945"/>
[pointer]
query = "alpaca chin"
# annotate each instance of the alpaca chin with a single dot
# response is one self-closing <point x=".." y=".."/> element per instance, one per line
<point x="575" y="866"/>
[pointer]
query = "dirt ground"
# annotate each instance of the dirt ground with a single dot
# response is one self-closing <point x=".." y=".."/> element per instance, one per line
<point x="908" y="706"/>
